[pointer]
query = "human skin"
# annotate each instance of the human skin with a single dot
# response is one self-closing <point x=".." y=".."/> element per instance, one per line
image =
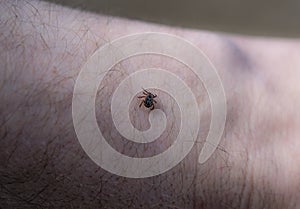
<point x="44" y="46"/>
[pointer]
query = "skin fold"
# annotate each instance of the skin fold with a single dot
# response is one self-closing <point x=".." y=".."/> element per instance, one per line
<point x="42" y="49"/>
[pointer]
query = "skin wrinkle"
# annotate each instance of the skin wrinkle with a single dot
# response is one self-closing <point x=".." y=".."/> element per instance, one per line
<point x="49" y="169"/>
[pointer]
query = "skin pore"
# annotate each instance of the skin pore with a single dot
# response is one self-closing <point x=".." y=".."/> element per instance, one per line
<point x="42" y="49"/>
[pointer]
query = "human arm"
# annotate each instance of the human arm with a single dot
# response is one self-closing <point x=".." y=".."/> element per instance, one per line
<point x="43" y="48"/>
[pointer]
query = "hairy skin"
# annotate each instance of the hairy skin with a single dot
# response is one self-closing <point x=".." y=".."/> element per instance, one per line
<point x="42" y="49"/>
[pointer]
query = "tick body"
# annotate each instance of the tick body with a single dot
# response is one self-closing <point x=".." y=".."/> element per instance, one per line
<point x="148" y="99"/>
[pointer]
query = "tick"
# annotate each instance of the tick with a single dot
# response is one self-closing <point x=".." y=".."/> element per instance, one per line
<point x="148" y="99"/>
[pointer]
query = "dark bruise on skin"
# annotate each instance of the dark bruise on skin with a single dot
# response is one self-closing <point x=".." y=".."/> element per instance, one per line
<point x="42" y="49"/>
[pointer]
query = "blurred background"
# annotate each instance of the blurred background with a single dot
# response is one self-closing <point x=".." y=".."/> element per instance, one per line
<point x="265" y="18"/>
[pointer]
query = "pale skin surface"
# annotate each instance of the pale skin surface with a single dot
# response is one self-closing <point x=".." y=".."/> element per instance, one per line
<point x="42" y="49"/>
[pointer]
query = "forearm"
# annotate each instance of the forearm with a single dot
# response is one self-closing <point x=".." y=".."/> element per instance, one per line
<point x="43" y="48"/>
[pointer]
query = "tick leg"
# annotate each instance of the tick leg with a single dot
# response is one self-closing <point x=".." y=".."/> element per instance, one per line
<point x="141" y="96"/>
<point x="145" y="93"/>
<point x="152" y="108"/>
<point x="154" y="101"/>
<point x="154" y="95"/>
<point x="141" y="103"/>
